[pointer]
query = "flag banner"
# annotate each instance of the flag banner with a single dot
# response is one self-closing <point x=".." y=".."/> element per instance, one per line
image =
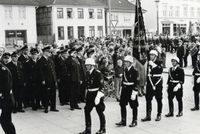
<point x="139" y="37"/>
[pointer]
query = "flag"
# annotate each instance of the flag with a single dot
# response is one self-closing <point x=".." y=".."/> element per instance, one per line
<point x="139" y="37"/>
<point x="190" y="29"/>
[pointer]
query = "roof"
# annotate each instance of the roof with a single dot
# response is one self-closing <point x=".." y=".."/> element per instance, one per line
<point x="26" y="2"/>
<point x="97" y="3"/>
<point x="122" y="5"/>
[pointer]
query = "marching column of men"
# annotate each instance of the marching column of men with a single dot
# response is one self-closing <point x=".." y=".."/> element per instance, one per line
<point x="34" y="81"/>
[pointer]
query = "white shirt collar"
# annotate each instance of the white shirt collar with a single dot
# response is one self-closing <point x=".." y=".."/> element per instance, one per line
<point x="129" y="67"/>
<point x="91" y="70"/>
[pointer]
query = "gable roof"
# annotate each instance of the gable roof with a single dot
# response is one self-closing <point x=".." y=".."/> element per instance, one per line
<point x="97" y="3"/>
<point x="122" y="5"/>
<point x="26" y="2"/>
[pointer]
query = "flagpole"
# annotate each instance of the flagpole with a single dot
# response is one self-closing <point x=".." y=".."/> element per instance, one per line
<point x="109" y="8"/>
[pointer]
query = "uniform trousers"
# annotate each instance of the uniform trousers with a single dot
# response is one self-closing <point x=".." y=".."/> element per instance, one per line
<point x="90" y="104"/>
<point x="49" y="96"/>
<point x="18" y="93"/>
<point x="6" y="118"/>
<point x="196" y="90"/>
<point x="179" y="96"/>
<point x="150" y="93"/>
<point x="125" y="98"/>
<point x="63" y="91"/>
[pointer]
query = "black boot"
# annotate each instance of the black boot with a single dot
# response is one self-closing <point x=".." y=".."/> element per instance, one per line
<point x="121" y="124"/>
<point x="101" y="131"/>
<point x="133" y="124"/>
<point x="147" y="118"/>
<point x="170" y="114"/>
<point x="87" y="131"/>
<point x="158" y="118"/>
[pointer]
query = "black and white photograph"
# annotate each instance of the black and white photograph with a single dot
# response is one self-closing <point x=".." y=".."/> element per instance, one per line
<point x="99" y="66"/>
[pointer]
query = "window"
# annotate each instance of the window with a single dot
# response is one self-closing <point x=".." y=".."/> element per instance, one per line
<point x="70" y="32"/>
<point x="61" y="33"/>
<point x="22" y="12"/>
<point x="192" y="12"/>
<point x="185" y="11"/>
<point x="59" y="13"/>
<point x="80" y="13"/>
<point x="100" y="31"/>
<point x="81" y="31"/>
<point x="198" y="12"/>
<point x="164" y="10"/>
<point x="91" y="13"/>
<point x="171" y="10"/>
<point x="99" y="14"/>
<point x="91" y="31"/>
<point x="69" y="13"/>
<point x="8" y="12"/>
<point x="177" y="12"/>
<point x="114" y="17"/>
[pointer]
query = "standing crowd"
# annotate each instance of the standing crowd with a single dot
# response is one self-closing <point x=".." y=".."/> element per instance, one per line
<point x="31" y="77"/>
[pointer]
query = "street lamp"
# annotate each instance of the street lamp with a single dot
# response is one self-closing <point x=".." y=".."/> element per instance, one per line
<point x="157" y="4"/>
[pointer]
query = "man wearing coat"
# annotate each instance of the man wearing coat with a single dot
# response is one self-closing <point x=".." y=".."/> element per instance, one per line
<point x="129" y="92"/>
<point x="175" y="87"/>
<point x="48" y="81"/>
<point x="6" y="103"/>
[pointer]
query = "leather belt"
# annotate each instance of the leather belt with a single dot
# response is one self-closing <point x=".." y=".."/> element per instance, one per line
<point x="175" y="81"/>
<point x="128" y="83"/>
<point x="93" y="89"/>
<point x="155" y="75"/>
<point x="197" y="74"/>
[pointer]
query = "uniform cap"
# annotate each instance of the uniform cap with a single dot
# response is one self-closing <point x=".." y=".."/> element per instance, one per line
<point x="6" y="55"/>
<point x="24" y="48"/>
<point x="89" y="61"/>
<point x="153" y="52"/>
<point x="129" y="59"/>
<point x="34" y="51"/>
<point x="14" y="54"/>
<point x="47" y="48"/>
<point x="175" y="58"/>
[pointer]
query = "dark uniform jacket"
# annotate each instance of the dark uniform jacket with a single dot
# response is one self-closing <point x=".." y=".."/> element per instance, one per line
<point x="17" y="73"/>
<point x="196" y="74"/>
<point x="31" y="72"/>
<point x="94" y="80"/>
<point x="62" y="70"/>
<point x="23" y="59"/>
<point x="180" y="51"/>
<point x="82" y="69"/>
<point x="74" y="69"/>
<point x="5" y="81"/>
<point x="153" y="75"/>
<point x="47" y="71"/>
<point x="175" y="77"/>
<point x="129" y="78"/>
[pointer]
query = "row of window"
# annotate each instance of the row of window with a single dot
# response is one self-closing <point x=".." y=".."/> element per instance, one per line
<point x="174" y="11"/>
<point x="80" y="13"/>
<point x="9" y="12"/>
<point x="81" y="32"/>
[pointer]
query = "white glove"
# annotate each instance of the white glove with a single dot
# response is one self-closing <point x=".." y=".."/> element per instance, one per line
<point x="198" y="80"/>
<point x="133" y="95"/>
<point x="151" y="63"/>
<point x="177" y="87"/>
<point x="98" y="97"/>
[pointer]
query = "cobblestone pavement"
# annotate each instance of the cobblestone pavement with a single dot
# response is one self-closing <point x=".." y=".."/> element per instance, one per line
<point x="72" y="122"/>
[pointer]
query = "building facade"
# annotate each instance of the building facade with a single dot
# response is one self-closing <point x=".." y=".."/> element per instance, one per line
<point x="17" y="23"/>
<point x="179" y="17"/>
<point x="120" y="19"/>
<point x="65" y="20"/>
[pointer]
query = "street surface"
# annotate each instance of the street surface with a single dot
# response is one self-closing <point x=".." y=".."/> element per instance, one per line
<point x="72" y="122"/>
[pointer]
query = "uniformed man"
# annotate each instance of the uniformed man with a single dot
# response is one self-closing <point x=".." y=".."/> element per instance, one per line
<point x="6" y="103"/>
<point x="196" y="87"/>
<point x="175" y="87"/>
<point x="74" y="80"/>
<point x="6" y="57"/>
<point x="154" y="86"/>
<point x="62" y="75"/>
<point x="23" y="58"/>
<point x="48" y="80"/>
<point x="94" y="96"/>
<point x="16" y="70"/>
<point x="129" y="92"/>
<point x="31" y="78"/>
